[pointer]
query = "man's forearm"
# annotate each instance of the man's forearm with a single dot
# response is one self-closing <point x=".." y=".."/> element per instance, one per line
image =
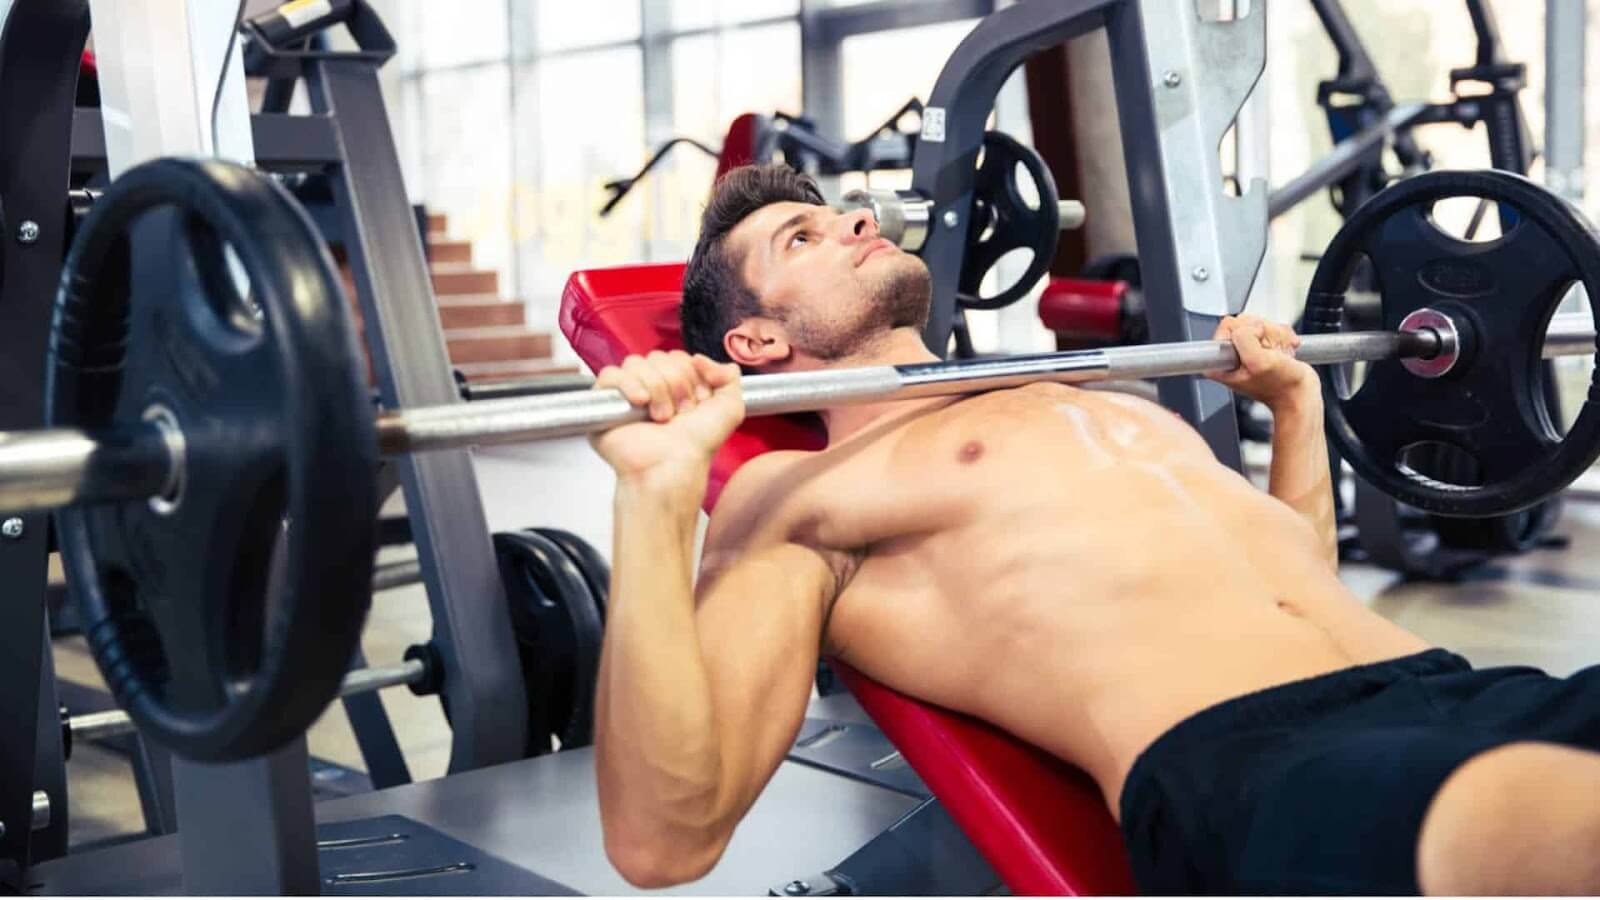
<point x="656" y="748"/>
<point x="1300" y="475"/>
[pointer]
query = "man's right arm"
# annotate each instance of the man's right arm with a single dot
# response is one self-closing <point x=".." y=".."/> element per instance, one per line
<point x="700" y="692"/>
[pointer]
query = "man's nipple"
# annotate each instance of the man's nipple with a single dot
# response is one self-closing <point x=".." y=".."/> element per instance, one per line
<point x="970" y="453"/>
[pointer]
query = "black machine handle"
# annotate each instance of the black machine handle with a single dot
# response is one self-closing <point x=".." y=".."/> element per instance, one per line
<point x="1356" y="74"/>
<point x="887" y="147"/>
<point x="621" y="186"/>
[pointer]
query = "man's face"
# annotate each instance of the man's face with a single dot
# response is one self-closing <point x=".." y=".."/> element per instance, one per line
<point x="828" y="279"/>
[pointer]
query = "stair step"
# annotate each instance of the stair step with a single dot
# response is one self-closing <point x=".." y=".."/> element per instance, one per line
<point x="451" y="280"/>
<point x="496" y="344"/>
<point x="438" y="222"/>
<point x="448" y="251"/>
<point x="470" y="281"/>
<point x="516" y="368"/>
<point x="480" y="312"/>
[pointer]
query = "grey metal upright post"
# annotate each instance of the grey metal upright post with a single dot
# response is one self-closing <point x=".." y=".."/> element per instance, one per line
<point x="1565" y="119"/>
<point x="482" y="674"/>
<point x="1180" y="81"/>
<point x="40" y="43"/>
<point x="226" y="849"/>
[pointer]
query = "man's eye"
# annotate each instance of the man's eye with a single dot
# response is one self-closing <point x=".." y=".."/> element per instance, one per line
<point x="799" y="237"/>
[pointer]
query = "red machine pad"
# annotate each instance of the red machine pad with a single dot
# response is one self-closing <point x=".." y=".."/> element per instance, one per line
<point x="1083" y="309"/>
<point x="607" y="314"/>
<point x="1039" y="822"/>
<point x="739" y="145"/>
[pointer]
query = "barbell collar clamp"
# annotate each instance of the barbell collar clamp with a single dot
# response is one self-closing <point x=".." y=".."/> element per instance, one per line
<point x="1438" y="364"/>
<point x="904" y="216"/>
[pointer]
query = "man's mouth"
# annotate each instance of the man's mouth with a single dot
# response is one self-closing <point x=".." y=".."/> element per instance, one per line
<point x="875" y="246"/>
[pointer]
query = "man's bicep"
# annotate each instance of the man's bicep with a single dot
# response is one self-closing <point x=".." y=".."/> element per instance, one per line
<point x="759" y="619"/>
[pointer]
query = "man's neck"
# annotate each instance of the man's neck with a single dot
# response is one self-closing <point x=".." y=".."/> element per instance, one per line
<point x="902" y="346"/>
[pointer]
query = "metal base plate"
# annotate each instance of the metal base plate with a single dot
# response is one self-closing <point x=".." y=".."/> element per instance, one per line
<point x="856" y="750"/>
<point x="543" y="815"/>
<point x="390" y="855"/>
<point x="376" y="857"/>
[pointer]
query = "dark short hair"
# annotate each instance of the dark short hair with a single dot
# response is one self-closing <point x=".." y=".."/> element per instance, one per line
<point x="715" y="296"/>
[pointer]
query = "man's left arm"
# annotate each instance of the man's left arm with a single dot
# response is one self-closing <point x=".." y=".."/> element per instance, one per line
<point x="1299" y="475"/>
<point x="1291" y="390"/>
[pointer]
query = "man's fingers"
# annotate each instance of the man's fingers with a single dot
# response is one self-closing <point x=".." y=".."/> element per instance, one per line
<point x="1282" y="336"/>
<point x="688" y="379"/>
<point x="1247" y="342"/>
<point x="632" y="388"/>
<point x="680" y="375"/>
<point x="716" y="374"/>
<point x="661" y="406"/>
<point x="709" y="374"/>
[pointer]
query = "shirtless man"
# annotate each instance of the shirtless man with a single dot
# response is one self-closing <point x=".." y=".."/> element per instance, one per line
<point x="1071" y="565"/>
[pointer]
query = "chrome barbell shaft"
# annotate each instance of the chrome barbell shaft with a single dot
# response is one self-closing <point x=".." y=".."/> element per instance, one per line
<point x="45" y="469"/>
<point x="542" y="418"/>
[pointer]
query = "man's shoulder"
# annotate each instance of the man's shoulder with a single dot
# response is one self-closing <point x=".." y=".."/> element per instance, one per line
<point x="759" y="476"/>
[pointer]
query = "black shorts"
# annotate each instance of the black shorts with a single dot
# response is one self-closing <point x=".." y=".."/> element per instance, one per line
<point x="1320" y="786"/>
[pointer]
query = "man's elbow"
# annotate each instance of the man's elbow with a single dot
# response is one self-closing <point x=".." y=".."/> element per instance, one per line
<point x="658" y="863"/>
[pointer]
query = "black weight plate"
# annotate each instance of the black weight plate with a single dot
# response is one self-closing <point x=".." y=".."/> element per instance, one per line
<point x="596" y="571"/>
<point x="1492" y="406"/>
<point x="1002" y="221"/>
<point x="279" y="456"/>
<point x="559" y="634"/>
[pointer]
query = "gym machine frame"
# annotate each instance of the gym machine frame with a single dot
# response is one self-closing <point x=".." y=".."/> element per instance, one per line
<point x="40" y="44"/>
<point x="348" y="136"/>
<point x="40" y="70"/>
<point x="408" y="353"/>
<point x="462" y="595"/>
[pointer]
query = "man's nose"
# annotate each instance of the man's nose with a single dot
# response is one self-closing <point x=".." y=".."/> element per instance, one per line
<point x="856" y="225"/>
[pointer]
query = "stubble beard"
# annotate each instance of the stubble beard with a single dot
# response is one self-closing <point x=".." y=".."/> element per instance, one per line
<point x="897" y="298"/>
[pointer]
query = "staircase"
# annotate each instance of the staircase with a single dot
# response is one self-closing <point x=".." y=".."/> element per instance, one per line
<point x="488" y="338"/>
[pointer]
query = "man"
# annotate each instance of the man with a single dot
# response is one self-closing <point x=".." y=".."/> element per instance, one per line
<point x="1073" y="566"/>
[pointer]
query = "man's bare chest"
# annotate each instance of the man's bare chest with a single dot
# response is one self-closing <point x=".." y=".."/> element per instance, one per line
<point x="984" y="458"/>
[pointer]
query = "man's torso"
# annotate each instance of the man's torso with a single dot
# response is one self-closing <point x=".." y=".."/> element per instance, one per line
<point x="1073" y="566"/>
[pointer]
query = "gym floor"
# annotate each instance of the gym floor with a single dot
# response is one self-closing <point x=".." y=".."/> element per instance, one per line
<point x="1542" y="609"/>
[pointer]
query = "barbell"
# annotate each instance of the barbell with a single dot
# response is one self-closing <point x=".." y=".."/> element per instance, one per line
<point x="207" y="410"/>
<point x="49" y="468"/>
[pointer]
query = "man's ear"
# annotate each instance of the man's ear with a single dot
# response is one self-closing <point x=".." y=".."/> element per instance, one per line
<point x="757" y="342"/>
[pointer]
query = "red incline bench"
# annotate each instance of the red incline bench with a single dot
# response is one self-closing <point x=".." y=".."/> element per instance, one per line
<point x="1039" y="822"/>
